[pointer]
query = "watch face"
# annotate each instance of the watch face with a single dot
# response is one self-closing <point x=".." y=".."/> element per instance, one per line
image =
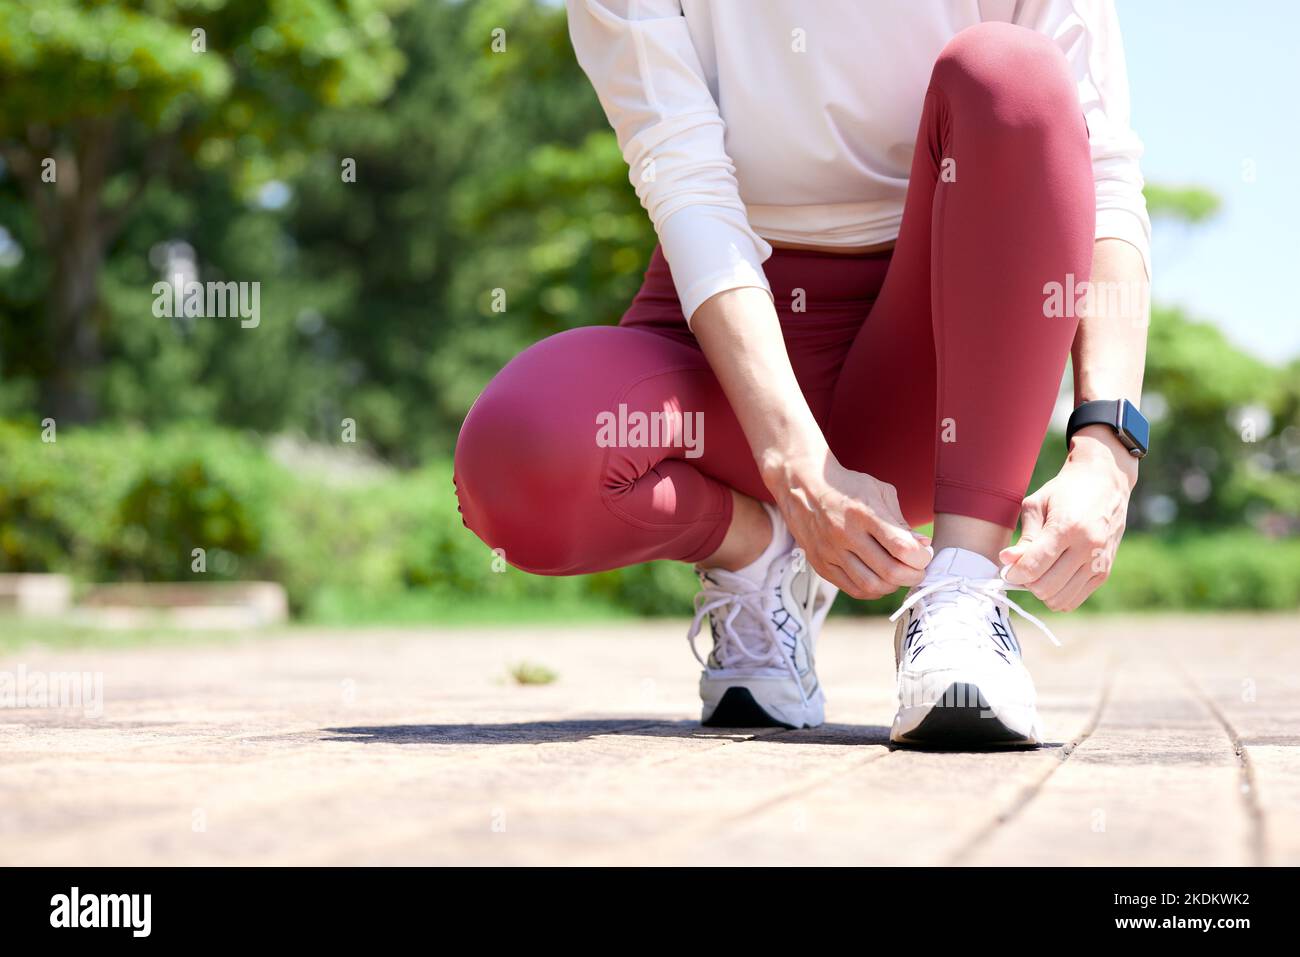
<point x="1135" y="424"/>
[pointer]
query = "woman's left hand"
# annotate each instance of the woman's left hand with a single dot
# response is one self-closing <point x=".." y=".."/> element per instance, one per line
<point x="1071" y="527"/>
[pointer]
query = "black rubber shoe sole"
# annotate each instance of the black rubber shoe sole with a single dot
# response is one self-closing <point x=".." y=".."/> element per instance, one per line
<point x="962" y="720"/>
<point x="738" y="709"/>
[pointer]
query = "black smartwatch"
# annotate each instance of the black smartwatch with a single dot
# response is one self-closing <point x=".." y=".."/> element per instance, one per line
<point x="1130" y="425"/>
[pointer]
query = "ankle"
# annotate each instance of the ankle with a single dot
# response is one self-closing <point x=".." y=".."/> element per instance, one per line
<point x="747" y="538"/>
<point x="972" y="534"/>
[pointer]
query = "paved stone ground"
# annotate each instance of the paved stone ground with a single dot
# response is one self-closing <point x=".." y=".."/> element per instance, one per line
<point x="1174" y="741"/>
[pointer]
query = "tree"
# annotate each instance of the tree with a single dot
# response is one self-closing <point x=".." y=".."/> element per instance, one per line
<point x="491" y="167"/>
<point x="99" y="100"/>
<point x="1187" y="204"/>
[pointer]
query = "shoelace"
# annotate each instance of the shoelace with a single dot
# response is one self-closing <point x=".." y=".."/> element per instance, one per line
<point x="731" y="650"/>
<point x="992" y="589"/>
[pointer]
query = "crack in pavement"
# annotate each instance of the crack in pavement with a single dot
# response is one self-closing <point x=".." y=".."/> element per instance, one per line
<point x="1249" y="790"/>
<point x="1031" y="791"/>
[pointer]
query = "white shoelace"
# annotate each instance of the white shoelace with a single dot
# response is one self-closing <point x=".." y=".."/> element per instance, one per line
<point x="948" y="589"/>
<point x="737" y="595"/>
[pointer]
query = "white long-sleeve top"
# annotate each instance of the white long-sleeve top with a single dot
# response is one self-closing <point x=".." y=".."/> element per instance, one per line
<point x="794" y="120"/>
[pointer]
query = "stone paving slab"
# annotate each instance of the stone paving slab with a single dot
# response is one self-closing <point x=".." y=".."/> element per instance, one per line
<point x="1172" y="740"/>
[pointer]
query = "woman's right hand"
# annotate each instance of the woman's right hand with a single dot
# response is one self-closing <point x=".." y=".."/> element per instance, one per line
<point x="849" y="525"/>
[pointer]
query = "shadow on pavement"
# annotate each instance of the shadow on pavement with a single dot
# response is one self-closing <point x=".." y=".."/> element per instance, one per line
<point x="544" y="732"/>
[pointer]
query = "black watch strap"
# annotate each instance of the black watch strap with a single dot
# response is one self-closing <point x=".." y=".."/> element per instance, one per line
<point x="1123" y="417"/>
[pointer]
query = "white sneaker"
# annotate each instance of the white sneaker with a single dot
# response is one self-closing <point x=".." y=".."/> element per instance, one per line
<point x="760" y="672"/>
<point x="961" y="681"/>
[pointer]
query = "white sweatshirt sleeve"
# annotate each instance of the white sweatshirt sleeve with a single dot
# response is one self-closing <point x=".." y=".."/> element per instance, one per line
<point x="1088" y="33"/>
<point x="639" y="57"/>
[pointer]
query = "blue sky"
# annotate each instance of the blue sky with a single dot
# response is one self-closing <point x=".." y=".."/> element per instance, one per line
<point x="1216" y="84"/>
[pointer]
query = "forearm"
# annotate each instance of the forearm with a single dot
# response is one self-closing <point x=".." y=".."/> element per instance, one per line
<point x="1110" y="347"/>
<point x="849" y="524"/>
<point x="741" y="337"/>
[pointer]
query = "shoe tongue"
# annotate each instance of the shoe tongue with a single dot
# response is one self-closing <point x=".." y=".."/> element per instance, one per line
<point x="960" y="561"/>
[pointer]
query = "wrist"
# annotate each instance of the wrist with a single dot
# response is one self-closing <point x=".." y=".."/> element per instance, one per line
<point x="793" y="464"/>
<point x="1098" y="445"/>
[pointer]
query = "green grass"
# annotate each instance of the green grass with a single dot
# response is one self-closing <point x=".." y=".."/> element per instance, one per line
<point x="16" y="633"/>
<point x="344" y="612"/>
<point x="349" y="608"/>
<point x="531" y="673"/>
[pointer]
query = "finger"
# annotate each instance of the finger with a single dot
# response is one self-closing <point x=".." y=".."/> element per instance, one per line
<point x="897" y="539"/>
<point x="1031" y="525"/>
<point x="1077" y="590"/>
<point x="888" y="526"/>
<point x="860" y="588"/>
<point x="837" y="577"/>
<point x="886" y="566"/>
<point x="870" y="583"/>
<point x="1047" y="585"/>
<point x="1036" y="556"/>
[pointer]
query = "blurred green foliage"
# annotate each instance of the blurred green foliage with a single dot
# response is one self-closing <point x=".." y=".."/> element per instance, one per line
<point x="1188" y="204"/>
<point x="388" y="544"/>
<point x="477" y="170"/>
<point x="150" y="118"/>
<point x="1224" y="436"/>
<point x="169" y="506"/>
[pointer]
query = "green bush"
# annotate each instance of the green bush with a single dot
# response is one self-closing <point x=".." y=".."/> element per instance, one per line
<point x="1203" y="572"/>
<point x="390" y="545"/>
<point x="57" y="498"/>
<point x="168" y="509"/>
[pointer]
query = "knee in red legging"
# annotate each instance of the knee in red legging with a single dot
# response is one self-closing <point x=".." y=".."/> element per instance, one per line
<point x="539" y="476"/>
<point x="524" y="474"/>
<point x="1009" y="77"/>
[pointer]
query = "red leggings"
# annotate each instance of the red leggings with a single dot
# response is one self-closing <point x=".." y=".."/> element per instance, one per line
<point x="933" y="367"/>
